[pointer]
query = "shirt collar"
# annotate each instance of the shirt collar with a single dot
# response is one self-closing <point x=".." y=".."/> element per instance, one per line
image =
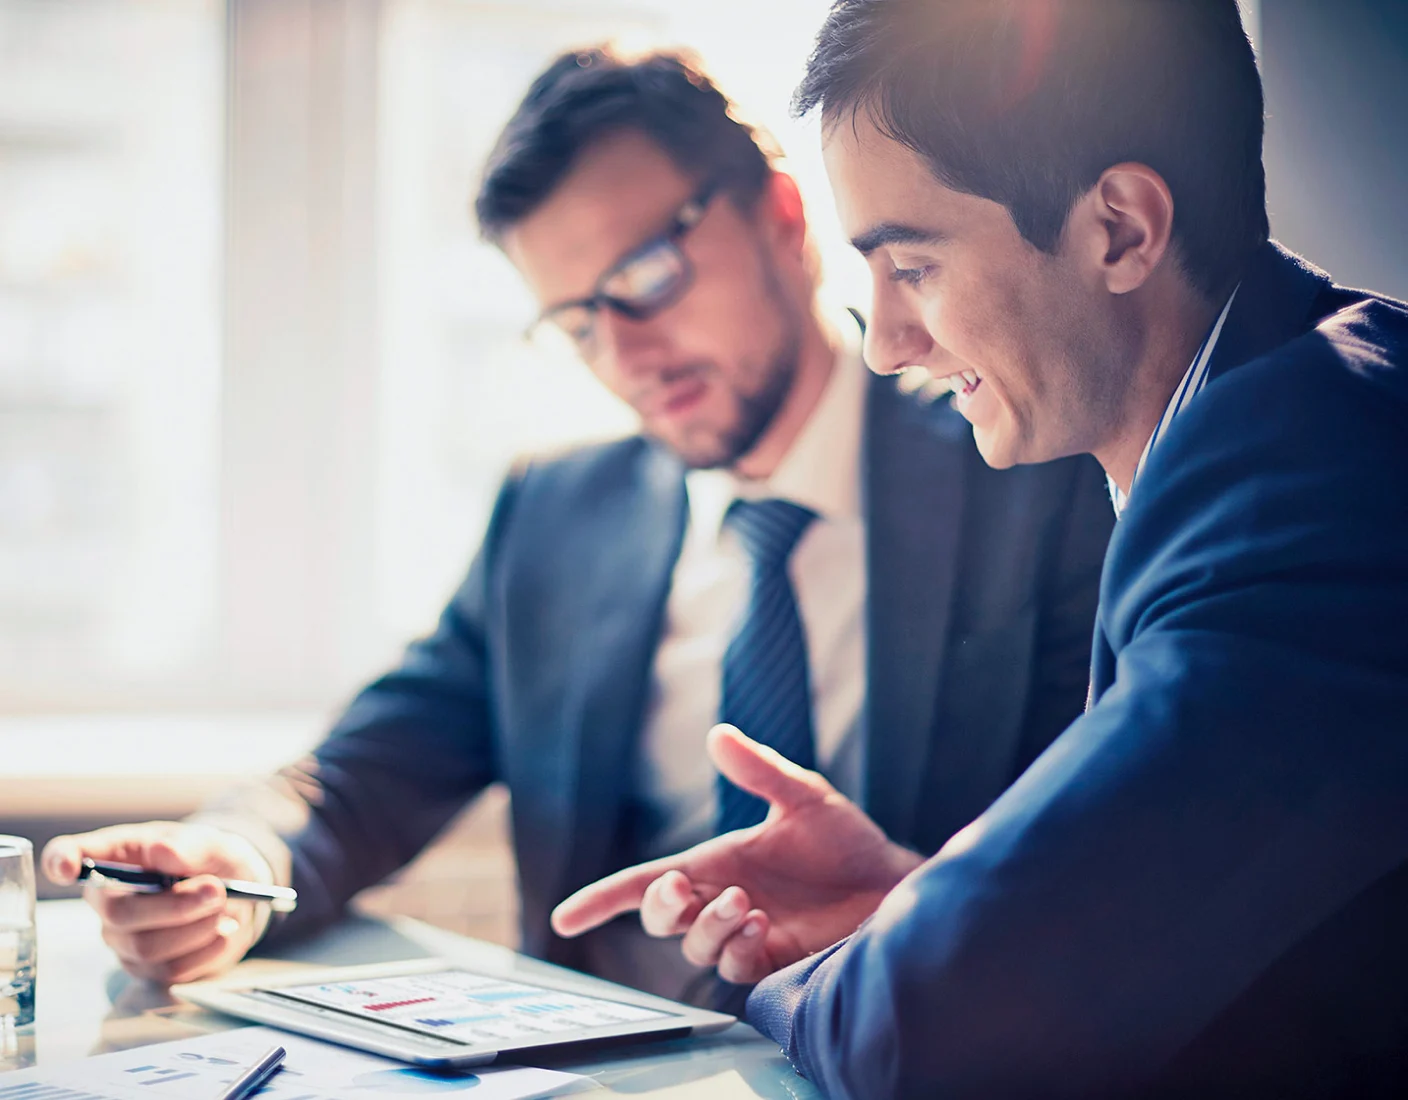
<point x="1192" y="383"/>
<point x="820" y="471"/>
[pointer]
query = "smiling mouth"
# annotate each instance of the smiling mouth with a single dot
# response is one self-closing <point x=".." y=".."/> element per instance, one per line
<point x="963" y="384"/>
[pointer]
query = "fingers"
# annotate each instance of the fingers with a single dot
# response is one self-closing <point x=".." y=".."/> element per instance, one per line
<point x="190" y="931"/>
<point x="731" y="937"/>
<point x="607" y="898"/>
<point x="169" y="846"/>
<point x="763" y="771"/>
<point x="669" y="906"/>
<point x="161" y="945"/>
<point x="62" y="859"/>
<point x="744" y="958"/>
<point x="704" y="940"/>
<point x="725" y="933"/>
<point x="201" y="952"/>
<point x="185" y="903"/>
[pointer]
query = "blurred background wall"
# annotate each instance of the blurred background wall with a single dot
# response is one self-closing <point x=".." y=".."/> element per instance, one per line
<point x="1336" y="76"/>
<point x="258" y="378"/>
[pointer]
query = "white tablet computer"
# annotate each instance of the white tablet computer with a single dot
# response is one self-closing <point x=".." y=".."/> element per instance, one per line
<point x="435" y="1013"/>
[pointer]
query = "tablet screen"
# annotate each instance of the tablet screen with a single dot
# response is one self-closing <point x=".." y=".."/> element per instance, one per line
<point x="466" y="1007"/>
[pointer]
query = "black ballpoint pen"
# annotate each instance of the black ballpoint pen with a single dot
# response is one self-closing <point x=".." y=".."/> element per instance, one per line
<point x="255" y="1075"/>
<point x="282" y="899"/>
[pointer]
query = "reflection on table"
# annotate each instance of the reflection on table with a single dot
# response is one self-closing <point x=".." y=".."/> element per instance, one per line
<point x="87" y="1005"/>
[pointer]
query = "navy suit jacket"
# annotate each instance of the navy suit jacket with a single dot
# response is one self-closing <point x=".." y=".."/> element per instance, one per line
<point x="982" y="593"/>
<point x="1201" y="888"/>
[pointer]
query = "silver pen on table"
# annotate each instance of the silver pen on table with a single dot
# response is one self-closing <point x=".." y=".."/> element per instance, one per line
<point x="255" y="1075"/>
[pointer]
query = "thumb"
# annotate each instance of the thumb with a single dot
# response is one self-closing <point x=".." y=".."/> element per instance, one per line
<point x="62" y="859"/>
<point x="763" y="771"/>
<point x="160" y="846"/>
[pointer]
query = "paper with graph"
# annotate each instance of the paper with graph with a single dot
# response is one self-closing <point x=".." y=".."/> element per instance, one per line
<point x="199" y="1068"/>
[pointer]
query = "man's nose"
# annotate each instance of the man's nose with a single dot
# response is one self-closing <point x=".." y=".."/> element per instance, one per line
<point x="895" y="336"/>
<point x="628" y="346"/>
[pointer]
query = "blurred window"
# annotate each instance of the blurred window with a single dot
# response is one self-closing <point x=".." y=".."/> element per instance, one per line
<point x="258" y="376"/>
<point x="110" y="165"/>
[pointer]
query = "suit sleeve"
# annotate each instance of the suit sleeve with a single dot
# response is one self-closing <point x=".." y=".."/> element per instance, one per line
<point x="1242" y="779"/>
<point x="406" y="755"/>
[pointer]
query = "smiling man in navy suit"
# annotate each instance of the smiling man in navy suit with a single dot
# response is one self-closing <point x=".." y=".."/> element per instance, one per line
<point x="792" y="543"/>
<point x="1201" y="888"/>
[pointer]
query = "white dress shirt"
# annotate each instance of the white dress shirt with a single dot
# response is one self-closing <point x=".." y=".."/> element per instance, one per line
<point x="709" y="596"/>
<point x="1194" y="379"/>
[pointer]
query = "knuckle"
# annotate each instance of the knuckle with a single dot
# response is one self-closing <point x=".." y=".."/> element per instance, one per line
<point x="117" y="910"/>
<point x="99" y="903"/>
<point x="728" y="908"/>
<point x="160" y="973"/>
<point x="145" y="948"/>
<point x="164" y="852"/>
<point x="694" y="953"/>
<point x="116" y="940"/>
<point x="701" y="945"/>
<point x="737" y="964"/>
<point x="137" y="970"/>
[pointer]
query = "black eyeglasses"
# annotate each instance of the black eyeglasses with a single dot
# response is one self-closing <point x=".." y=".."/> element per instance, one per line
<point x="645" y="281"/>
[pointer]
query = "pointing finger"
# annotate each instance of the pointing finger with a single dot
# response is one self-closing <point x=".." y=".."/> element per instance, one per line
<point x="607" y="898"/>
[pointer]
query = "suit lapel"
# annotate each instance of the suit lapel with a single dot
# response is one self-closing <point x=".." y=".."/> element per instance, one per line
<point x="1102" y="665"/>
<point x="1274" y="304"/>
<point x="914" y="501"/>
<point x="620" y="610"/>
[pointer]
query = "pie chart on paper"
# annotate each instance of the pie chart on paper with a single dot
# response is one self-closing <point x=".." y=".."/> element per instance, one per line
<point x="403" y="1082"/>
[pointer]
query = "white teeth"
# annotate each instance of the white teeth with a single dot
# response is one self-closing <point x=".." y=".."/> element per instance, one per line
<point x="961" y="382"/>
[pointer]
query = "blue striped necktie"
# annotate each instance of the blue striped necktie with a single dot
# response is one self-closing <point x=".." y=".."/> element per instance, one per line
<point x="766" y="684"/>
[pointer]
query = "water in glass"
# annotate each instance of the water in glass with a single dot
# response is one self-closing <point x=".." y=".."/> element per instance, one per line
<point x="16" y="932"/>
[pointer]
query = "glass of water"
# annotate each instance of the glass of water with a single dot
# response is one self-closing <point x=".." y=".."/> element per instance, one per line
<point x="16" y="931"/>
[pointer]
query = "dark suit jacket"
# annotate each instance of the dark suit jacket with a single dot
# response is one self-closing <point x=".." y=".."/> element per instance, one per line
<point x="1201" y="887"/>
<point x="982" y="590"/>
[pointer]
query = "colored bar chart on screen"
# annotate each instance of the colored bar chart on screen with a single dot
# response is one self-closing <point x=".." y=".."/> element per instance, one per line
<point x="472" y="1008"/>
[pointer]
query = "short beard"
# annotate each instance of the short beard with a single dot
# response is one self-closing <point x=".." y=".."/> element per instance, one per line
<point x="756" y="411"/>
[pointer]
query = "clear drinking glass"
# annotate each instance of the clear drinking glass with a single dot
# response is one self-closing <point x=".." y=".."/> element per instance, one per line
<point x="16" y="931"/>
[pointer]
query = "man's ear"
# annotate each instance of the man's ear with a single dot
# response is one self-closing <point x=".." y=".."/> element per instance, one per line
<point x="1124" y="225"/>
<point x="780" y="205"/>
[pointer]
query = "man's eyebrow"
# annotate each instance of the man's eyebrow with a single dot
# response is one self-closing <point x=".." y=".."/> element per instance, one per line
<point x="894" y="233"/>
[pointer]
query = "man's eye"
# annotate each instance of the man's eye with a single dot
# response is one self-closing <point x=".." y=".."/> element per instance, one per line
<point x="911" y="276"/>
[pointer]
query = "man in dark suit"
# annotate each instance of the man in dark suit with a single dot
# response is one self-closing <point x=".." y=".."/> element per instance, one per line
<point x="926" y="640"/>
<point x="1201" y="888"/>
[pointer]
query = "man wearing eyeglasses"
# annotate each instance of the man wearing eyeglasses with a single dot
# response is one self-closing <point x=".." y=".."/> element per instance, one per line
<point x="791" y="544"/>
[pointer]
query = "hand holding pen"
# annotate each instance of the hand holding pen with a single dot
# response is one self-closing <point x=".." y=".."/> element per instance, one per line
<point x="281" y="899"/>
<point x="185" y="924"/>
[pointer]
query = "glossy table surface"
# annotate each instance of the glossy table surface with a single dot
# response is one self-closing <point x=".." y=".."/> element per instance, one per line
<point x="86" y="1005"/>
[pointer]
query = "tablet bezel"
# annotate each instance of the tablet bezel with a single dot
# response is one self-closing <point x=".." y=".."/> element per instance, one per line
<point x="242" y="998"/>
